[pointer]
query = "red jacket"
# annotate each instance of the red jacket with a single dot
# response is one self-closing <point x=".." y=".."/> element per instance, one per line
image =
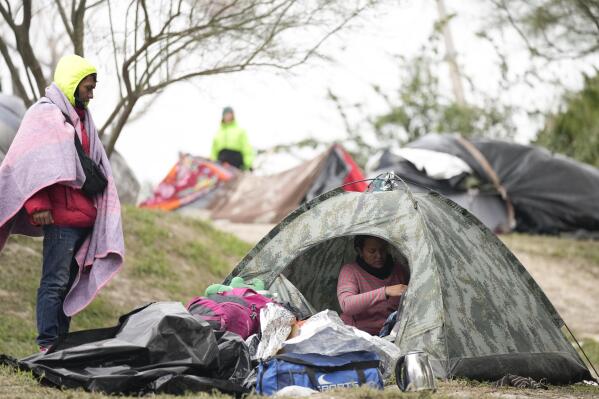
<point x="69" y="207"/>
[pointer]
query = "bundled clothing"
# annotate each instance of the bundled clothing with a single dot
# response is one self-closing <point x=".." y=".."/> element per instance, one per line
<point x="70" y="207"/>
<point x="42" y="171"/>
<point x="361" y="293"/>
<point x="231" y="145"/>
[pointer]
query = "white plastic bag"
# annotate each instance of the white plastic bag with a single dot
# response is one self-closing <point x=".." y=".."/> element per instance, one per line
<point x="275" y="323"/>
<point x="326" y="334"/>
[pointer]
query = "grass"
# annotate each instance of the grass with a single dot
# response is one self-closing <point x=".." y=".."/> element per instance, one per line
<point x="170" y="257"/>
<point x="591" y="348"/>
<point x="555" y="247"/>
<point x="24" y="385"/>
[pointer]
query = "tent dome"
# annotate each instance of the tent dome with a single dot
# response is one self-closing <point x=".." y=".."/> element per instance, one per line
<point x="470" y="303"/>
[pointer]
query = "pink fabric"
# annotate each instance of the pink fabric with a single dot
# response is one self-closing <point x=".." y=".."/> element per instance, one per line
<point x="42" y="154"/>
<point x="362" y="298"/>
<point x="250" y="296"/>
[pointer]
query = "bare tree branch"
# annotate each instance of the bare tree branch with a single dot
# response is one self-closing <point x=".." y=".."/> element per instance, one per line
<point x="64" y="19"/>
<point x="162" y="43"/>
<point x="16" y="80"/>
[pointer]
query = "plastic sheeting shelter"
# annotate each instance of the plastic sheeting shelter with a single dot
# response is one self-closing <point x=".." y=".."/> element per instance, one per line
<point x="248" y="198"/>
<point x="511" y="186"/>
<point x="268" y="199"/>
<point x="470" y="304"/>
<point x="189" y="180"/>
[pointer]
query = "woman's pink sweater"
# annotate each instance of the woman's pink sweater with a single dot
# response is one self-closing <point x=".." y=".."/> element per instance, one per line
<point x="362" y="297"/>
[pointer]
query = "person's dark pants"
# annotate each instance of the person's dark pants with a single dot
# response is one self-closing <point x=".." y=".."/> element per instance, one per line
<point x="231" y="157"/>
<point x="58" y="274"/>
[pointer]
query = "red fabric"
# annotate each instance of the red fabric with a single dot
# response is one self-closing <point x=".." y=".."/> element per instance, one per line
<point x="355" y="173"/>
<point x="38" y="202"/>
<point x="362" y="298"/>
<point x="69" y="207"/>
<point x="84" y="135"/>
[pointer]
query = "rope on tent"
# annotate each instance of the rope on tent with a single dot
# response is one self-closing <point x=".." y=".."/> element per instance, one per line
<point x="389" y="183"/>
<point x="484" y="163"/>
<point x="582" y="350"/>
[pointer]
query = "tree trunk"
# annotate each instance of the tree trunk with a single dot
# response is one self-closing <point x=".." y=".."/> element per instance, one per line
<point x="29" y="59"/>
<point x="450" y="54"/>
<point x="17" y="84"/>
<point x="118" y="128"/>
<point x="79" y="29"/>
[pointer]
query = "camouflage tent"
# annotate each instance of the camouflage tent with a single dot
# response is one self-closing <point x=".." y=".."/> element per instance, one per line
<point x="470" y="303"/>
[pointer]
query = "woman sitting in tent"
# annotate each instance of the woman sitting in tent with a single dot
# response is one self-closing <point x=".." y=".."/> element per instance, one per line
<point x="369" y="289"/>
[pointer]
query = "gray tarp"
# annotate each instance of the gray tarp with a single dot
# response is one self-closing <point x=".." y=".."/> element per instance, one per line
<point x="551" y="193"/>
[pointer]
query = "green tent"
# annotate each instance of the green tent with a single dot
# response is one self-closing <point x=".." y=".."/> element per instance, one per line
<point x="470" y="305"/>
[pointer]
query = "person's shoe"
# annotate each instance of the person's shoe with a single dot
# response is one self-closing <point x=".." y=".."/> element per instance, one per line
<point x="43" y="349"/>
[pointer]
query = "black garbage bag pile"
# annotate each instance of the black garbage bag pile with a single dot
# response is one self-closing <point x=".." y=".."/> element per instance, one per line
<point x="159" y="348"/>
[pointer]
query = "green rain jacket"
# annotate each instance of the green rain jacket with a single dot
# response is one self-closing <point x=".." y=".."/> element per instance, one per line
<point x="70" y="71"/>
<point x="232" y="137"/>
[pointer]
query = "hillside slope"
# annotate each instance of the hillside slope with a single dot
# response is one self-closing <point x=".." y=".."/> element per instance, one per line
<point x="174" y="257"/>
<point x="168" y="257"/>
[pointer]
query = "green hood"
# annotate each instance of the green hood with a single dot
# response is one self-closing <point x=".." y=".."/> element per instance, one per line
<point x="70" y="71"/>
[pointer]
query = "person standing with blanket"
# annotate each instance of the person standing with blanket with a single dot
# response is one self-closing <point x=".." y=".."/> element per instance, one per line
<point x="48" y="187"/>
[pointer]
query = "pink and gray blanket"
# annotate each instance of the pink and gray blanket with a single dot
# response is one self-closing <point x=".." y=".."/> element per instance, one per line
<point x="42" y="154"/>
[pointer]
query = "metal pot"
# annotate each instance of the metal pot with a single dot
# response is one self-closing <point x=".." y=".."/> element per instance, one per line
<point x="413" y="372"/>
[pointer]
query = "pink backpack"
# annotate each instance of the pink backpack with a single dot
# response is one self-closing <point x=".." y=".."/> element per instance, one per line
<point x="237" y="310"/>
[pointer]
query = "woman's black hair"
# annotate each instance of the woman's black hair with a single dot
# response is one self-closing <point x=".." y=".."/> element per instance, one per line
<point x="359" y="241"/>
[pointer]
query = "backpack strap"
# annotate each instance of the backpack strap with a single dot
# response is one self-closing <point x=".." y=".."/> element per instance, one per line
<point x="78" y="145"/>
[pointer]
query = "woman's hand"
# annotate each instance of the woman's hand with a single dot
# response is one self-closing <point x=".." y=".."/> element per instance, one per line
<point x="42" y="218"/>
<point x="395" y="290"/>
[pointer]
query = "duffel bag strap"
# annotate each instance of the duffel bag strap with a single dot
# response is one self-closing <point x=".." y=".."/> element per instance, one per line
<point x="361" y="376"/>
<point x="312" y="376"/>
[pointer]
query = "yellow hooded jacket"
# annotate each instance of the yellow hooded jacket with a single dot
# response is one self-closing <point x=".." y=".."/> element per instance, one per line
<point x="70" y="71"/>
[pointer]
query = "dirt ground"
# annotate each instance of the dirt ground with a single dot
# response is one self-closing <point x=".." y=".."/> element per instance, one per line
<point x="573" y="290"/>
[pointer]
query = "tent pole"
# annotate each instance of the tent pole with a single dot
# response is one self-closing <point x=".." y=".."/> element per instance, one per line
<point x="582" y="350"/>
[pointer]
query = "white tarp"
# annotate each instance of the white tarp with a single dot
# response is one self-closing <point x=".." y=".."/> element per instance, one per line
<point x="435" y="164"/>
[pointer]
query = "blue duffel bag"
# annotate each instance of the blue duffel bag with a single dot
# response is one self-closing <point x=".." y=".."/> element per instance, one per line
<point x="319" y="372"/>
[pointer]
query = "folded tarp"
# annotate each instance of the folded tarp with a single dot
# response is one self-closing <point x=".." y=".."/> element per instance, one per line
<point x="160" y="348"/>
<point x="435" y="164"/>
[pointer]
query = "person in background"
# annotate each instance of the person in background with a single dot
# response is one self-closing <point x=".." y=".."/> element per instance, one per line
<point x="369" y="289"/>
<point x="230" y="144"/>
